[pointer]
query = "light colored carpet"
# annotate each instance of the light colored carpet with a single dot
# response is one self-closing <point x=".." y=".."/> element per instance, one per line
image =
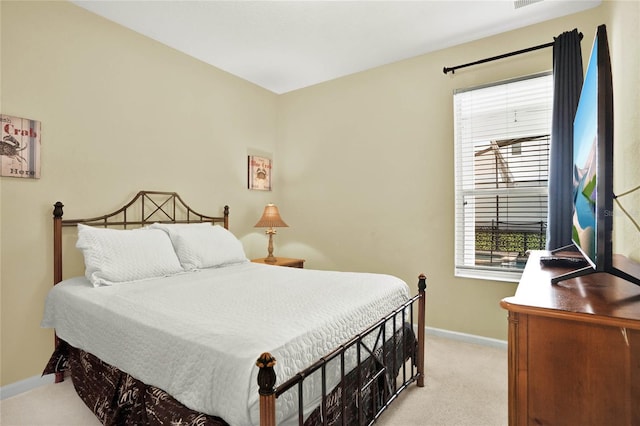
<point x="48" y="405"/>
<point x="466" y="384"/>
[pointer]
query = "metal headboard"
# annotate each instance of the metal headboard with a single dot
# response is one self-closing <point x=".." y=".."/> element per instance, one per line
<point x="145" y="208"/>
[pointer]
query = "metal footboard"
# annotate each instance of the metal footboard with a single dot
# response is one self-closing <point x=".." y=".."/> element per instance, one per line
<point x="388" y="358"/>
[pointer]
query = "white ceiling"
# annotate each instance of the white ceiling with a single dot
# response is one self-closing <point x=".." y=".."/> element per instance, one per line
<point x="287" y="45"/>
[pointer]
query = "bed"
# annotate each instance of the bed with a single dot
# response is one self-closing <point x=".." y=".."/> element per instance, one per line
<point x="172" y="324"/>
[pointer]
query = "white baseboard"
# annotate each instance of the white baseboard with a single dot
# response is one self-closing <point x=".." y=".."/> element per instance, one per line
<point x="17" y="388"/>
<point x="469" y="338"/>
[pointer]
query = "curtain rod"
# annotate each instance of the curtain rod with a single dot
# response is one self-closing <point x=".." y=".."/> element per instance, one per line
<point x="452" y="70"/>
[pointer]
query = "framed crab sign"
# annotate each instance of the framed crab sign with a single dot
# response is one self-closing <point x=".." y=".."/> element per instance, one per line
<point x="259" y="173"/>
<point x="20" y="147"/>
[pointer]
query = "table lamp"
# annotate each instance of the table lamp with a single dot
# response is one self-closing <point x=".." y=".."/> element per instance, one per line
<point x="270" y="219"/>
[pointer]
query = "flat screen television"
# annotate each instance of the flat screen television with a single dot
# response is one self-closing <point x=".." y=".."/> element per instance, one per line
<point x="592" y="228"/>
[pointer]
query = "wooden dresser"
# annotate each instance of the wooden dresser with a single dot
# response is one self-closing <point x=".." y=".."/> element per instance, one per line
<point x="574" y="348"/>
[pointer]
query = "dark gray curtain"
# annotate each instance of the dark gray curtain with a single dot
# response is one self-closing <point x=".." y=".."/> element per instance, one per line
<point x="567" y="84"/>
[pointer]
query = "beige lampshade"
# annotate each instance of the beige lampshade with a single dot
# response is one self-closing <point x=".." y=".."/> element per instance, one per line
<point x="270" y="218"/>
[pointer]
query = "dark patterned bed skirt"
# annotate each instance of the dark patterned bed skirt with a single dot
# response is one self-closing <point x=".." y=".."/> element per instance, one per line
<point x="116" y="398"/>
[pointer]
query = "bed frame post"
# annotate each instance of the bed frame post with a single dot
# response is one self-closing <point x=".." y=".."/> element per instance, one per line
<point x="57" y="261"/>
<point x="57" y="242"/>
<point x="266" y="383"/>
<point x="422" y="286"/>
<point x="226" y="217"/>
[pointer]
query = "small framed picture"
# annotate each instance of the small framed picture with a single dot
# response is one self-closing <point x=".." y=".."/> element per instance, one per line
<point x="259" y="173"/>
<point x="20" y="147"/>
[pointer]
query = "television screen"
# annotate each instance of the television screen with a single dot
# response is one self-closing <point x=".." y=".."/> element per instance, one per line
<point x="592" y="224"/>
<point x="585" y="164"/>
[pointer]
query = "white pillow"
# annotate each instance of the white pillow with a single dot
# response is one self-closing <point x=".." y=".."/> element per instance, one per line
<point x="201" y="245"/>
<point x="114" y="256"/>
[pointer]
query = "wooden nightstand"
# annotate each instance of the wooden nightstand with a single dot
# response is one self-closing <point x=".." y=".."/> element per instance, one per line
<point x="283" y="261"/>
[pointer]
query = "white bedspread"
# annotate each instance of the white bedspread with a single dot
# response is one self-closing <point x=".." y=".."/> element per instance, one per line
<point x="197" y="335"/>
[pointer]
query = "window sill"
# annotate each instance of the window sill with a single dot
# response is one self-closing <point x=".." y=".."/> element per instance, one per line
<point x="488" y="274"/>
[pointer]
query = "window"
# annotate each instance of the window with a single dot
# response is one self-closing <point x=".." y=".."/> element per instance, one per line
<point x="502" y="135"/>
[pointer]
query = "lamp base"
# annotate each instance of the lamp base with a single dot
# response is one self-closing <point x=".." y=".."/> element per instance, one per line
<point x="270" y="257"/>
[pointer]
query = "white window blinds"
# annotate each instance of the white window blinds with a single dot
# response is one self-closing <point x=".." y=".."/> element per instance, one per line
<point x="502" y="135"/>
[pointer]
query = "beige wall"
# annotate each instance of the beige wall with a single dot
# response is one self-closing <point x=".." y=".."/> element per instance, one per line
<point x="623" y="30"/>
<point x="368" y="162"/>
<point x="364" y="172"/>
<point x="119" y="113"/>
